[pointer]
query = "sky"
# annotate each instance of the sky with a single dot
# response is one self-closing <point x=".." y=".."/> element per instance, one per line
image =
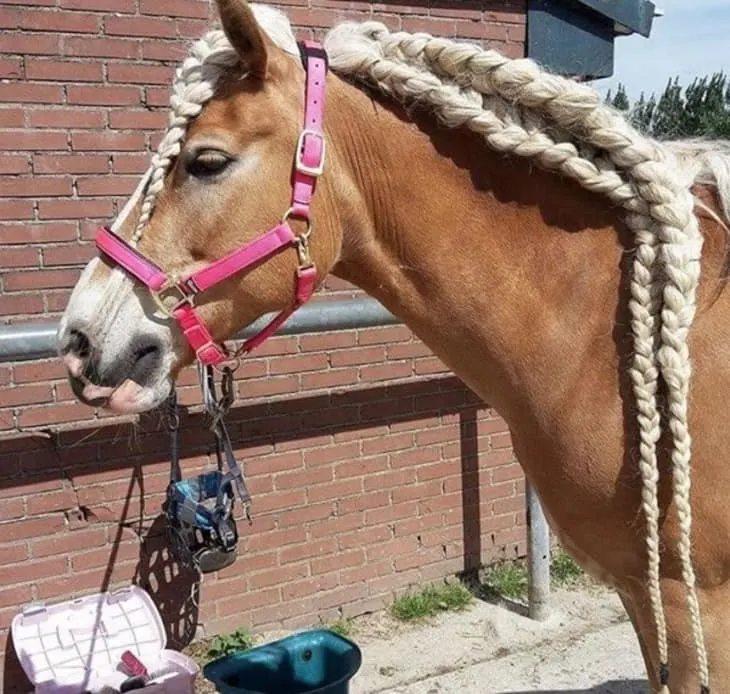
<point x="691" y="39"/>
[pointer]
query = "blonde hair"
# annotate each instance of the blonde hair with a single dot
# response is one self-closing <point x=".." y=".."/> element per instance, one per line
<point x="563" y="126"/>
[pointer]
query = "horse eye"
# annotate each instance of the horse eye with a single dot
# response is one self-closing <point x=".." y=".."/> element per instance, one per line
<point x="208" y="162"/>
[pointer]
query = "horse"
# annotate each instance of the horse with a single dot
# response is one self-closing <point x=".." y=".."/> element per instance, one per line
<point x="568" y="269"/>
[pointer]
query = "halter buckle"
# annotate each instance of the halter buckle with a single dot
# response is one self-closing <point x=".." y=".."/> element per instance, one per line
<point x="169" y="292"/>
<point x="299" y="164"/>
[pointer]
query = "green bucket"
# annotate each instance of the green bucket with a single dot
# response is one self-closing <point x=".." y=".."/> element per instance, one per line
<point x="311" y="662"/>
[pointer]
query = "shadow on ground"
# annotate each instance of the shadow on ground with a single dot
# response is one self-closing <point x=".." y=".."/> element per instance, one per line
<point x="612" y="687"/>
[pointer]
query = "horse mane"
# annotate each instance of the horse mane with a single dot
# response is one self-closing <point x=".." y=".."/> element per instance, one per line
<point x="563" y="126"/>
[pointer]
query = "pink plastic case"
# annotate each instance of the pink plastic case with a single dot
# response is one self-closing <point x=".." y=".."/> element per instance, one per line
<point x="76" y="646"/>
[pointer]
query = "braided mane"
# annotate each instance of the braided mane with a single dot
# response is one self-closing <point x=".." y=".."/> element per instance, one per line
<point x="564" y="127"/>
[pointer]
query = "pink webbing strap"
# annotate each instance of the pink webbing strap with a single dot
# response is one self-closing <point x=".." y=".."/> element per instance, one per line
<point x="310" y="153"/>
<point x="132" y="261"/>
<point x="243" y="258"/>
<point x="306" y="280"/>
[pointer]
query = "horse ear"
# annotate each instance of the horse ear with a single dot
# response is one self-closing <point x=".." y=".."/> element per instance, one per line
<point x="245" y="35"/>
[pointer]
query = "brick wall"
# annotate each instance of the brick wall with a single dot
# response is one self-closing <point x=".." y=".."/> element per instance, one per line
<point x="371" y="467"/>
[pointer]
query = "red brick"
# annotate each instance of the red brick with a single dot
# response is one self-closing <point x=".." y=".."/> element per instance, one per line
<point x="329" y="379"/>
<point x="71" y="586"/>
<point x="159" y="96"/>
<point x="54" y="414"/>
<point x="129" y="119"/>
<point x="9" y="19"/>
<point x="140" y="26"/>
<point x="10" y="68"/>
<point x="278" y="576"/>
<point x="280" y="500"/>
<point x="33" y="571"/>
<point x="388" y="334"/>
<point x="327" y="341"/>
<point x="361" y="466"/>
<point x="40" y="279"/>
<point x="37" y="233"/>
<point x="68" y="542"/>
<point x="12" y="117"/>
<point x="293" y="590"/>
<point x="107" y="185"/>
<point x="361" y="503"/>
<point x="191" y="28"/>
<point x="517" y="33"/>
<point x="298" y="552"/>
<point x="390" y="480"/>
<point x="330" y="454"/>
<point x="298" y="363"/>
<point x="15" y="597"/>
<point x="16" y="209"/>
<point x="19" y="305"/>
<point x="302" y="478"/>
<point x="175" y="8"/>
<point x="13" y="164"/>
<point x="70" y="163"/>
<point x="12" y="508"/>
<point x="163" y="50"/>
<point x="31" y="528"/>
<point x="32" y="141"/>
<point x="74" y="46"/>
<point x="121" y="6"/>
<point x="103" y="96"/>
<point x="98" y="558"/>
<point x="27" y="92"/>
<point x="130" y="163"/>
<point x="271" y="386"/>
<point x="68" y="255"/>
<point x="29" y="44"/>
<point x="106" y="141"/>
<point x="56" y="70"/>
<point x="139" y="74"/>
<point x="49" y="20"/>
<point x="74" y="209"/>
<point x="12" y="554"/>
<point x="55" y="501"/>
<point x="35" y="187"/>
<point x="26" y="394"/>
<point x="506" y="17"/>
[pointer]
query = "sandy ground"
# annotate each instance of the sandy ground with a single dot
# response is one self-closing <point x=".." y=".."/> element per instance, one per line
<point x="585" y="646"/>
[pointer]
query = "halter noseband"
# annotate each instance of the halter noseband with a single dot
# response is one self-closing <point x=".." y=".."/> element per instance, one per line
<point x="176" y="298"/>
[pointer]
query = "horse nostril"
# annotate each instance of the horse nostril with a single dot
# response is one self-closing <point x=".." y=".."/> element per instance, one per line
<point x="78" y="344"/>
<point x="146" y="360"/>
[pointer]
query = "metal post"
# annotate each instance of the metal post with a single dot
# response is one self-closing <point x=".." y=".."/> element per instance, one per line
<point x="538" y="552"/>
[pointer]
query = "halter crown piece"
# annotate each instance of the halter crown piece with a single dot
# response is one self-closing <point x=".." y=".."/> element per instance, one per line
<point x="177" y="298"/>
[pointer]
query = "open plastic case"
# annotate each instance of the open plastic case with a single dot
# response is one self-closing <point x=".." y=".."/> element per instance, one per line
<point x="75" y="647"/>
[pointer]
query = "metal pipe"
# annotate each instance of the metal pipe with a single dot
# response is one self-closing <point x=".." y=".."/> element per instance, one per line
<point x="29" y="341"/>
<point x="538" y="554"/>
<point x="37" y="340"/>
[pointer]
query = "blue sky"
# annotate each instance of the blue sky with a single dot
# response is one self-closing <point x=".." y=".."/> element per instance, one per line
<point x="691" y="38"/>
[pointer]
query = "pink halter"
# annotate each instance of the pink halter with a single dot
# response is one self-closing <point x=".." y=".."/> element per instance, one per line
<point x="308" y="165"/>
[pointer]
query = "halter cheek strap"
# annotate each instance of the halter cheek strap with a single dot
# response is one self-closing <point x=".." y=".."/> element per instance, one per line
<point x="177" y="298"/>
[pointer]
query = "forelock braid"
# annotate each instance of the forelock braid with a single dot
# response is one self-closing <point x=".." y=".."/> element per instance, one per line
<point x="194" y="85"/>
<point x="450" y="77"/>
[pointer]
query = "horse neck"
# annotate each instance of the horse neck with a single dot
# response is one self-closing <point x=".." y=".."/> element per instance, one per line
<point x="507" y="273"/>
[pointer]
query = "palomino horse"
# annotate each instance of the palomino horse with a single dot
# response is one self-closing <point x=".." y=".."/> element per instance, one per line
<point x="542" y="248"/>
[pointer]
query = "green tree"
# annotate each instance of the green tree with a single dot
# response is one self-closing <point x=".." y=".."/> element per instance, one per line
<point x="700" y="109"/>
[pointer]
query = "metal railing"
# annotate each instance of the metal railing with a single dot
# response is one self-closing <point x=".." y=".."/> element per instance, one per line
<point x="29" y="341"/>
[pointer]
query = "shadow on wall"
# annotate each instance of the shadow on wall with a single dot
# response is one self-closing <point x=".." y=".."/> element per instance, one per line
<point x="110" y="452"/>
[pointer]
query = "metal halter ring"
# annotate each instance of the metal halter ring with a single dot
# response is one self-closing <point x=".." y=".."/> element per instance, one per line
<point x="182" y="298"/>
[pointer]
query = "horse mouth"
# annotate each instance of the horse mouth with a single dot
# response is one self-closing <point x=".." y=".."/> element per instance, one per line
<point x="126" y="398"/>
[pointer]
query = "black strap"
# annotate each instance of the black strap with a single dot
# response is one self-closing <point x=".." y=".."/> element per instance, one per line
<point x="173" y="426"/>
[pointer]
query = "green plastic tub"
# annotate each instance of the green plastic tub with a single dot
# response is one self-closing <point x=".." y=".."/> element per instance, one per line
<point x="311" y="662"/>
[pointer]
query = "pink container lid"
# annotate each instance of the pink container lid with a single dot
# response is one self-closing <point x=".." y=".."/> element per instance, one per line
<point x="66" y="647"/>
